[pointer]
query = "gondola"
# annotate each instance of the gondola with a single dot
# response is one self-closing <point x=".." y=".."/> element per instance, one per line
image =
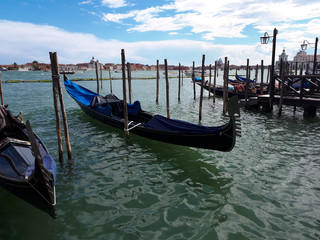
<point x="109" y="110"/>
<point x="231" y="93"/>
<point x="26" y="168"/>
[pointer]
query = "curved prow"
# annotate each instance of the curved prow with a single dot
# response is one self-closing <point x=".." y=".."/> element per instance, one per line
<point x="234" y="114"/>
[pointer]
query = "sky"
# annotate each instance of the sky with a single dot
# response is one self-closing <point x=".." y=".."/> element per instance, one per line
<point x="181" y="31"/>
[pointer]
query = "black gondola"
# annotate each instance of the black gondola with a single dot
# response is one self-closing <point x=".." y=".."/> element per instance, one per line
<point x="26" y="168"/>
<point x="109" y="110"/>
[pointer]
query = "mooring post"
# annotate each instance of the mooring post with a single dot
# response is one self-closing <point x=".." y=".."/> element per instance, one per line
<point x="124" y="89"/>
<point x="1" y="92"/>
<point x="129" y="80"/>
<point x="97" y="77"/>
<point x="214" y="81"/>
<point x="101" y="76"/>
<point x="268" y="75"/>
<point x="157" y="87"/>
<point x="209" y="80"/>
<point x="167" y="87"/>
<point x="225" y="86"/>
<point x="110" y="79"/>
<point x="201" y="90"/>
<point x="247" y="82"/>
<point x="261" y="80"/>
<point x="194" y="82"/>
<point x="55" y="75"/>
<point x="282" y="70"/>
<point x="179" y="82"/>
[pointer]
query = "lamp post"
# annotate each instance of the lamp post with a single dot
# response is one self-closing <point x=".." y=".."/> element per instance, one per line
<point x="304" y="46"/>
<point x="265" y="40"/>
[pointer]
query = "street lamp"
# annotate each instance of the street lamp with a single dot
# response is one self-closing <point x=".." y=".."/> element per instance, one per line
<point x="304" y="46"/>
<point x="265" y="40"/>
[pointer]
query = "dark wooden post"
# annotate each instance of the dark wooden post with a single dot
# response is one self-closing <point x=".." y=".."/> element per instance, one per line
<point x="101" y="76"/>
<point x="272" y="78"/>
<point x="225" y="86"/>
<point x="201" y="90"/>
<point x="129" y="80"/>
<point x="158" y="76"/>
<point x="110" y="79"/>
<point x="194" y="82"/>
<point x="214" y="81"/>
<point x="282" y="70"/>
<point x="261" y="81"/>
<point x="124" y="89"/>
<point x="97" y="76"/>
<point x="315" y="56"/>
<point x="182" y="77"/>
<point x="167" y="87"/>
<point x="209" y="80"/>
<point x="256" y="75"/>
<point x="247" y="81"/>
<point x="1" y="92"/>
<point x="268" y="75"/>
<point x="55" y="75"/>
<point x="179" y="84"/>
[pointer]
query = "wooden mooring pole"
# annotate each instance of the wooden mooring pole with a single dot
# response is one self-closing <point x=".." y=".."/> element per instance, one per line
<point x="57" y="93"/>
<point x="167" y="87"/>
<point x="124" y="89"/>
<point x="101" y="76"/>
<point x="1" y="92"/>
<point x="194" y="82"/>
<point x="214" y="81"/>
<point x="97" y="76"/>
<point x="179" y="82"/>
<point x="110" y="79"/>
<point x="261" y="80"/>
<point x="157" y="87"/>
<point x="225" y="86"/>
<point x="247" y="82"/>
<point x="209" y="80"/>
<point x="201" y="90"/>
<point x="129" y="80"/>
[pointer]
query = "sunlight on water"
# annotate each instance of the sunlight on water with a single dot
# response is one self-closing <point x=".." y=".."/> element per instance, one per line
<point x="267" y="187"/>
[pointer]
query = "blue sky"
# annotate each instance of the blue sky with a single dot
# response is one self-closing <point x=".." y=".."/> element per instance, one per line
<point x="180" y="31"/>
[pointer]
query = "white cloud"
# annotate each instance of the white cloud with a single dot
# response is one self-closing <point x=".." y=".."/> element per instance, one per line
<point x="86" y="2"/>
<point x="114" y="3"/>
<point x="213" y="19"/>
<point x="25" y="42"/>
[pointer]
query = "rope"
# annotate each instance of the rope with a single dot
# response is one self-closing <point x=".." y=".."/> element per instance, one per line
<point x="127" y="130"/>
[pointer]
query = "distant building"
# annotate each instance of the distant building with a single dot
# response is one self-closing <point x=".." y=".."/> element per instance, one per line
<point x="302" y="60"/>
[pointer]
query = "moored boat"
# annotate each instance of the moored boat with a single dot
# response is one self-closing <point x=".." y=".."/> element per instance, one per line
<point x="109" y="110"/>
<point x="26" y="168"/>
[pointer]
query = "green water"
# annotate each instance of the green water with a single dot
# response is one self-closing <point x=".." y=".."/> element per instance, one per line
<point x="267" y="187"/>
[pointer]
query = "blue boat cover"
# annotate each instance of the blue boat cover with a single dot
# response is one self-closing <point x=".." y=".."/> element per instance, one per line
<point x="86" y="96"/>
<point x="162" y="123"/>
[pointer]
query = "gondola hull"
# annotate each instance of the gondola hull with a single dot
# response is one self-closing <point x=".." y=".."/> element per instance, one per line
<point x="224" y="141"/>
<point x="220" y="138"/>
<point x="21" y="173"/>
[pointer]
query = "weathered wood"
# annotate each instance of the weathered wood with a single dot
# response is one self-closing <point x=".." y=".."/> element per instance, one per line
<point x="100" y="76"/>
<point x="167" y="88"/>
<point x="225" y="86"/>
<point x="201" y="90"/>
<point x="194" y="82"/>
<point x="97" y="76"/>
<point x="282" y="70"/>
<point x="209" y="80"/>
<point x="1" y="92"/>
<point x="247" y="82"/>
<point x="110" y="80"/>
<point x="157" y="87"/>
<point x="261" y="80"/>
<point x="129" y="80"/>
<point x="214" y="81"/>
<point x="55" y="75"/>
<point x="124" y="90"/>
<point x="179" y="82"/>
<point x="272" y="78"/>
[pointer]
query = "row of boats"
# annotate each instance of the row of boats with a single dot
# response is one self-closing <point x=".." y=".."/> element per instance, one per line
<point x="28" y="170"/>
